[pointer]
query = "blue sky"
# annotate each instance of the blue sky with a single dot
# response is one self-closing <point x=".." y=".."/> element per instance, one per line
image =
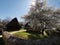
<point x="17" y="8"/>
<point x="54" y="3"/>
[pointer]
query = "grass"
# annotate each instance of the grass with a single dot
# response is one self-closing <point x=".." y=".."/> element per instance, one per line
<point x="25" y="35"/>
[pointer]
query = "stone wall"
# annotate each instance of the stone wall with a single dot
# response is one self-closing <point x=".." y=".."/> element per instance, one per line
<point x="11" y="40"/>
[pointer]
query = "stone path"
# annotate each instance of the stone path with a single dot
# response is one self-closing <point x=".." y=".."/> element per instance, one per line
<point x="16" y="31"/>
<point x="10" y="33"/>
<point x="13" y="32"/>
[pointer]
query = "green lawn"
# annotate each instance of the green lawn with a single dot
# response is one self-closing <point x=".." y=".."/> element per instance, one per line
<point x="25" y="35"/>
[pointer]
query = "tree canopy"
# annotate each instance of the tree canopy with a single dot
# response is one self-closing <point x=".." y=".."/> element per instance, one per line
<point x="41" y="17"/>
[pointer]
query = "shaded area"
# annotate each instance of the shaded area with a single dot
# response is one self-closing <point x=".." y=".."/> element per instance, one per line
<point x="1" y="41"/>
<point x="0" y="32"/>
<point x="51" y="40"/>
<point x="13" y="25"/>
<point x="29" y="35"/>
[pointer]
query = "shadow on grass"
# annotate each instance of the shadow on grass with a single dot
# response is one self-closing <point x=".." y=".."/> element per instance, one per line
<point x="35" y="35"/>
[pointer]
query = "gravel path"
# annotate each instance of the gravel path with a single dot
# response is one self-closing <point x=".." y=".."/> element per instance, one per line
<point x="16" y="31"/>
